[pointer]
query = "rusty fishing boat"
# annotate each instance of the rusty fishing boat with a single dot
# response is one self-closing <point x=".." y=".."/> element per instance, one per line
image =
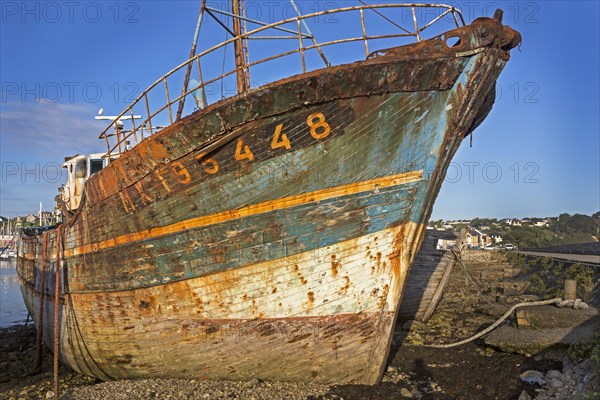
<point x="267" y="233"/>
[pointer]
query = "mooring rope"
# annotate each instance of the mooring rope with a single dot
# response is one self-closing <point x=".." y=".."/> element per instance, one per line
<point x="37" y="365"/>
<point x="56" y="304"/>
<point x="495" y="324"/>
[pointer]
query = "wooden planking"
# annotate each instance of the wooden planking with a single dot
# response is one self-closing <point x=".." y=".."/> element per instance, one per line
<point x="121" y="331"/>
<point x="260" y="208"/>
<point x="140" y="320"/>
<point x="384" y="76"/>
<point x="253" y="240"/>
<point x="393" y="144"/>
<point x="316" y="169"/>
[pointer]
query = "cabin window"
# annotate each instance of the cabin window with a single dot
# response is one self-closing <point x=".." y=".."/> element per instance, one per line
<point x="81" y="168"/>
<point x="96" y="166"/>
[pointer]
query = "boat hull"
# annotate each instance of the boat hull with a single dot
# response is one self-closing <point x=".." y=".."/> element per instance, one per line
<point x="268" y="236"/>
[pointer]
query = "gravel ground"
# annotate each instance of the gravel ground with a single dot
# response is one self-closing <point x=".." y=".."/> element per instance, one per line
<point x="182" y="389"/>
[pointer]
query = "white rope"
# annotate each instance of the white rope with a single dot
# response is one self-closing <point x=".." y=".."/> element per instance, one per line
<point x="495" y="324"/>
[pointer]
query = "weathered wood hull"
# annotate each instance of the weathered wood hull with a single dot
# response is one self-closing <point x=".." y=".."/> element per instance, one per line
<point x="269" y="235"/>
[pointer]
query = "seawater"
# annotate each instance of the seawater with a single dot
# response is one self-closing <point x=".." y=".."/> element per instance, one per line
<point x="12" y="307"/>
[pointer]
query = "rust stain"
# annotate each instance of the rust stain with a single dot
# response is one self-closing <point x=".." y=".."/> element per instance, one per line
<point x="211" y="329"/>
<point x="383" y="297"/>
<point x="396" y="254"/>
<point x="344" y="289"/>
<point x="199" y="304"/>
<point x="311" y="298"/>
<point x="335" y="265"/>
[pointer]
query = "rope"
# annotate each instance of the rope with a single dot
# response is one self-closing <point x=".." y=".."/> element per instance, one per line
<point x="56" y="303"/>
<point x="473" y="281"/>
<point x="495" y="324"/>
<point x="37" y="365"/>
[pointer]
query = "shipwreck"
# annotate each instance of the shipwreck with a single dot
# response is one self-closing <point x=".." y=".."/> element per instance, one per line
<point x="267" y="233"/>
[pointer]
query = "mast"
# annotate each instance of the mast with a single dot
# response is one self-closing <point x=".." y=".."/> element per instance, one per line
<point x="240" y="72"/>
<point x="189" y="67"/>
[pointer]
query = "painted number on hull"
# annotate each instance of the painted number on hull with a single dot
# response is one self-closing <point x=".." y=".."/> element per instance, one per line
<point x="280" y="139"/>
<point x="210" y="165"/>
<point x="242" y="151"/>
<point x="319" y="128"/>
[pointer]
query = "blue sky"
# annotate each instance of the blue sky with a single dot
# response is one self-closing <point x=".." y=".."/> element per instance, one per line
<point x="537" y="153"/>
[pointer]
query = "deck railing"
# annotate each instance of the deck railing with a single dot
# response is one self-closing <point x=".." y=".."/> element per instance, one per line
<point x="119" y="138"/>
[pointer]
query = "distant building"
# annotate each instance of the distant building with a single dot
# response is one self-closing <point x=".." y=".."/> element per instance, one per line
<point x="48" y="218"/>
<point x="30" y="218"/>
<point x="475" y="237"/>
<point x="541" y="223"/>
<point x="497" y="239"/>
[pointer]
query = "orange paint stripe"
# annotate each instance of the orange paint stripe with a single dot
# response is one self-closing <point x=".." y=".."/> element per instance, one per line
<point x="260" y="208"/>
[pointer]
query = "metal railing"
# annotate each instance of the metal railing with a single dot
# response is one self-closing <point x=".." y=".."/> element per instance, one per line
<point x="118" y="139"/>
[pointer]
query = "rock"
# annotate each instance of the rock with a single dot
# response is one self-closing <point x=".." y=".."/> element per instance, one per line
<point x="555" y="383"/>
<point x="49" y="394"/>
<point x="524" y="396"/>
<point x="533" y="377"/>
<point x="530" y="342"/>
<point x="252" y="384"/>
<point x="554" y="374"/>
<point x="404" y="392"/>
<point x="580" y="305"/>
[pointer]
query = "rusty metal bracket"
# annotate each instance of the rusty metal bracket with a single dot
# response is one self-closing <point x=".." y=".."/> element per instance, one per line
<point x="56" y="304"/>
<point x="37" y="364"/>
